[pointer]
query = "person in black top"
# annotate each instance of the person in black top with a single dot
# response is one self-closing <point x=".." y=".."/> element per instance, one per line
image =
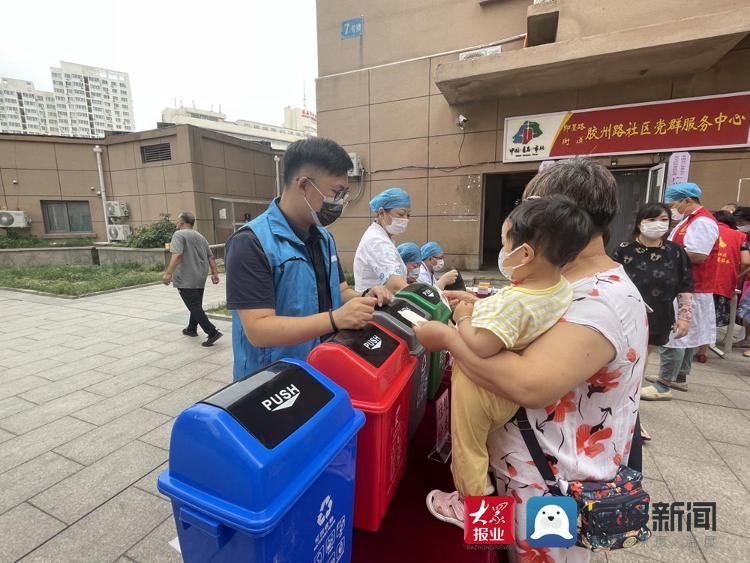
<point x="660" y="269"/>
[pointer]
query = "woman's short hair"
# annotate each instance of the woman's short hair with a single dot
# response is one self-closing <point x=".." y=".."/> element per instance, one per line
<point x="587" y="183"/>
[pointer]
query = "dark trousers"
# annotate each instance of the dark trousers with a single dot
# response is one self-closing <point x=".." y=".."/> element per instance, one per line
<point x="193" y="299"/>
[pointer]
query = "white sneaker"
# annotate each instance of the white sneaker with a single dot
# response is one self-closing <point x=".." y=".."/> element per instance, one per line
<point x="651" y="393"/>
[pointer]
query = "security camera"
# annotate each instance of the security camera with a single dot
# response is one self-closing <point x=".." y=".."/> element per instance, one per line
<point x="462" y="120"/>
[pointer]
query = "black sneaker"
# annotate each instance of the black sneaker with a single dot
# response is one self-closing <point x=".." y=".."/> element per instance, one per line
<point x="187" y="332"/>
<point x="211" y="339"/>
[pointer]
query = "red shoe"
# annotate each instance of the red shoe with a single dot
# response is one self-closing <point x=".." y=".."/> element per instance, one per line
<point x="701" y="358"/>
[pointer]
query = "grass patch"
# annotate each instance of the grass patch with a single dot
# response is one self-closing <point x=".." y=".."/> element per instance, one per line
<point x="78" y="280"/>
<point x="34" y="242"/>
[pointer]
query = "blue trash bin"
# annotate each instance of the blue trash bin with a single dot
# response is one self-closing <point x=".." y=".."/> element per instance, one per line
<point x="263" y="470"/>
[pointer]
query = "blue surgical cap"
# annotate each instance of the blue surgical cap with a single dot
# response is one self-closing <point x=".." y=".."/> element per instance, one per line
<point x="409" y="252"/>
<point x="431" y="249"/>
<point x="390" y="199"/>
<point x="677" y="192"/>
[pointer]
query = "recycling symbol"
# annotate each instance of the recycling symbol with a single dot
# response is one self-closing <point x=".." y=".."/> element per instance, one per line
<point x="325" y="509"/>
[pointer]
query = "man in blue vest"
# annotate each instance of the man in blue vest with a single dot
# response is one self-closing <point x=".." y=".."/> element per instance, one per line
<point x="285" y="285"/>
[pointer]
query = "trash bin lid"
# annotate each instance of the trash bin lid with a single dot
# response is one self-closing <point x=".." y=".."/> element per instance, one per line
<point x="227" y="459"/>
<point x="371" y="388"/>
<point x="400" y="315"/>
<point x="427" y="293"/>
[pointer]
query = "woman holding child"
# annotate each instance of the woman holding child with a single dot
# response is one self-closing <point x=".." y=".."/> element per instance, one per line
<point x="579" y="381"/>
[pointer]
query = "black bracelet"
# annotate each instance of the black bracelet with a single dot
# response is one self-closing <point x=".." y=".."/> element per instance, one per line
<point x="333" y="324"/>
<point x="364" y="293"/>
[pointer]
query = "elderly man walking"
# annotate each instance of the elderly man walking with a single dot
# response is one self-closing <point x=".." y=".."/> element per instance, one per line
<point x="187" y="270"/>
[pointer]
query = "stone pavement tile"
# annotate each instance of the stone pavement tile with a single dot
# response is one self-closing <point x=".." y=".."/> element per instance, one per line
<point x="107" y="532"/>
<point x="18" y="386"/>
<point x="106" y="439"/>
<point x="175" y="361"/>
<point x="13" y="405"/>
<point x="117" y="384"/>
<point x="710" y="482"/>
<point x="704" y="394"/>
<point x="30" y="478"/>
<point x="39" y="416"/>
<point x="75" y="496"/>
<point x="175" y="402"/>
<point x="650" y="469"/>
<point x="23" y="529"/>
<point x="737" y="458"/>
<point x="116" y="406"/>
<point x="5" y="436"/>
<point x="37" y="368"/>
<point x="739" y="399"/>
<point x="155" y="548"/>
<point x="720" y="379"/>
<point x="148" y="483"/>
<point x="116" y="367"/>
<point x="719" y="423"/>
<point x="221" y="357"/>
<point x="86" y="364"/>
<point x="28" y="446"/>
<point x="126" y="351"/>
<point x="62" y="387"/>
<point x="160" y="436"/>
<point x="720" y="546"/>
<point x="673" y="433"/>
<point x="223" y="374"/>
<point x="181" y="376"/>
<point x="131" y="340"/>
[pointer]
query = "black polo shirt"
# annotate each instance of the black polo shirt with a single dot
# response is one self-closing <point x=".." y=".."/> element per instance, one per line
<point x="249" y="274"/>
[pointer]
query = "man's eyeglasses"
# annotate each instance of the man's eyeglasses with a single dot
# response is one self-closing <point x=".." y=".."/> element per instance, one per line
<point x="340" y="196"/>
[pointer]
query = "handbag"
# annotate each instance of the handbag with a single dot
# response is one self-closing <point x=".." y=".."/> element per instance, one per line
<point x="611" y="514"/>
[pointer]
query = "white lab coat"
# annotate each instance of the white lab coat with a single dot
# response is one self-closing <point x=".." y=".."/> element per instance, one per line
<point x="425" y="275"/>
<point x="376" y="259"/>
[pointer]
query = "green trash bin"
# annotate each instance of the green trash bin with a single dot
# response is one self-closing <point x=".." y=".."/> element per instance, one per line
<point x="431" y="301"/>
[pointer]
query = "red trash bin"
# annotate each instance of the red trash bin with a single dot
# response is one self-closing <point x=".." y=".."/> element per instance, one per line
<point x="375" y="368"/>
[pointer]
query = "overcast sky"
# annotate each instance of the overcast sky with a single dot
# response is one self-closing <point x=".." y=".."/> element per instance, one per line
<point x="252" y="57"/>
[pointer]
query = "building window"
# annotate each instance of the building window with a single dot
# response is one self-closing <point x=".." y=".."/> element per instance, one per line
<point x="66" y="217"/>
<point x="156" y="153"/>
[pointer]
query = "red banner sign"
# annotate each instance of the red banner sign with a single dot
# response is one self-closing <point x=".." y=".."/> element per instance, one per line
<point x="692" y="123"/>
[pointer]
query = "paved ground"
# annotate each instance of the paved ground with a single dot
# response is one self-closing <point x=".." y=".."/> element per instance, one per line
<point x="89" y="389"/>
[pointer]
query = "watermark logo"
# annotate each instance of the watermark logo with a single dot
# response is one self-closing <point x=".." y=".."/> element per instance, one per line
<point x="489" y="520"/>
<point x="551" y="521"/>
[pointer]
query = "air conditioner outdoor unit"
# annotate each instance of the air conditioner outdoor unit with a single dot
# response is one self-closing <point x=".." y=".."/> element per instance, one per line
<point x="119" y="232"/>
<point x="14" y="220"/>
<point x="117" y="209"/>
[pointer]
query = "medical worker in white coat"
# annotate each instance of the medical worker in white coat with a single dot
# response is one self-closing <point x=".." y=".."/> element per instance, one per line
<point x="377" y="261"/>
<point x="433" y="260"/>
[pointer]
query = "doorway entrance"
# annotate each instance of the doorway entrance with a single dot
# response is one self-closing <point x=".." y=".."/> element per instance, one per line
<point x="635" y="186"/>
<point x="502" y="193"/>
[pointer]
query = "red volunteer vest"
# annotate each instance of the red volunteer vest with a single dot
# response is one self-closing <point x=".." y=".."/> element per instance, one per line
<point x="728" y="260"/>
<point x="704" y="275"/>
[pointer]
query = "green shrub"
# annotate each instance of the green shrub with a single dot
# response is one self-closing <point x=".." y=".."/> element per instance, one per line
<point x="155" y="235"/>
<point x="349" y="277"/>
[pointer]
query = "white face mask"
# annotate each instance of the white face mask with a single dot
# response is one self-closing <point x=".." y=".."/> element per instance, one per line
<point x="439" y="265"/>
<point x="676" y="215"/>
<point x="654" y="229"/>
<point x="398" y="225"/>
<point x="501" y="258"/>
<point x="413" y="272"/>
<point x="744" y="229"/>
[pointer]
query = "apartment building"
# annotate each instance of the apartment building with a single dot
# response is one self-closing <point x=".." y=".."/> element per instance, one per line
<point x="26" y="110"/>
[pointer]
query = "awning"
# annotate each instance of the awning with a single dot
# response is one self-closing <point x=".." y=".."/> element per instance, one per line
<point x="683" y="47"/>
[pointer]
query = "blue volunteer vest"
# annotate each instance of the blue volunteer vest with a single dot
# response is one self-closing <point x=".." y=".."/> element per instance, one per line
<point x="294" y="284"/>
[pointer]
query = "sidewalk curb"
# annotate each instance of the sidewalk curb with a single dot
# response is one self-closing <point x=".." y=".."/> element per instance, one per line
<point x="58" y="296"/>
